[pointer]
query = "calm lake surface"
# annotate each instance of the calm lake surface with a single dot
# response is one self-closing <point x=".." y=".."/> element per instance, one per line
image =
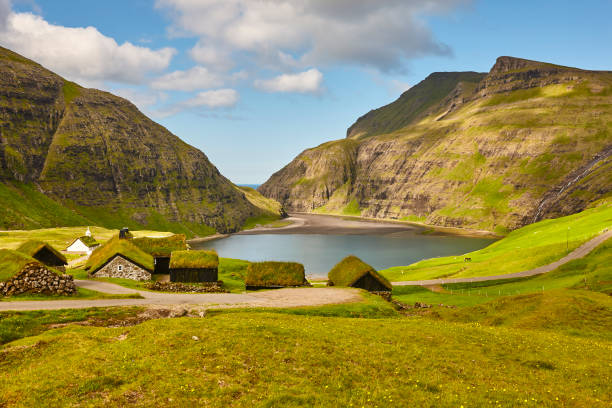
<point x="320" y="252"/>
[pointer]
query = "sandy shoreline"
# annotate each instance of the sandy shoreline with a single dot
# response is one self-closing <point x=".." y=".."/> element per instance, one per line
<point x="325" y="224"/>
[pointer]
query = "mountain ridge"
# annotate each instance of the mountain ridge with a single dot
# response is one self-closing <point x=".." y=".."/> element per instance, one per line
<point x="99" y="156"/>
<point x="485" y="156"/>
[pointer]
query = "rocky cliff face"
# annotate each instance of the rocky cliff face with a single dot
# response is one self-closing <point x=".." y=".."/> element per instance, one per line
<point x="526" y="141"/>
<point x="97" y="156"/>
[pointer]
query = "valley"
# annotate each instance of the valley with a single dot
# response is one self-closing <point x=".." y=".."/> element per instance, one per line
<point x="454" y="249"/>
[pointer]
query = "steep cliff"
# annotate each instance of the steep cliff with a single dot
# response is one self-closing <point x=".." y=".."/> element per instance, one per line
<point x="70" y="156"/>
<point x="526" y="141"/>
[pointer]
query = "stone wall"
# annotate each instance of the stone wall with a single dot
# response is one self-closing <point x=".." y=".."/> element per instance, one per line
<point x="208" y="287"/>
<point x="37" y="278"/>
<point x="120" y="267"/>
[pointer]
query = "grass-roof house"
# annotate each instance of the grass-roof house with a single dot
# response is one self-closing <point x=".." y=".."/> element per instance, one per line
<point x="272" y="275"/>
<point x="20" y="273"/>
<point x="161" y="249"/>
<point x="120" y="258"/>
<point x="194" y="266"/>
<point x="83" y="245"/>
<point x="353" y="272"/>
<point x="44" y="253"/>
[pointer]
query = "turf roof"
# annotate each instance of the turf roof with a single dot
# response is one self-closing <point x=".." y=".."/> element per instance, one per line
<point x="87" y="240"/>
<point x="162" y="246"/>
<point x="31" y="248"/>
<point x="199" y="259"/>
<point x="12" y="262"/>
<point x="115" y="246"/>
<point x="270" y="274"/>
<point x="351" y="269"/>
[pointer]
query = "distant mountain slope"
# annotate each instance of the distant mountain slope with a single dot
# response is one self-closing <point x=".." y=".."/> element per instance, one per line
<point x="70" y="155"/>
<point x="415" y="103"/>
<point x="530" y="140"/>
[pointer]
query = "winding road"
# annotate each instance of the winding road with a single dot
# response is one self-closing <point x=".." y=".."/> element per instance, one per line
<point x="577" y="253"/>
<point x="289" y="297"/>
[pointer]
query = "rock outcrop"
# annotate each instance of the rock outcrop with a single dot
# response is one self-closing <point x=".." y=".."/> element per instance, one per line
<point x="83" y="156"/>
<point x="495" y="151"/>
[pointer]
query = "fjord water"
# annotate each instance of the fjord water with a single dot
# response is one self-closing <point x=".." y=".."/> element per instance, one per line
<point x="319" y="253"/>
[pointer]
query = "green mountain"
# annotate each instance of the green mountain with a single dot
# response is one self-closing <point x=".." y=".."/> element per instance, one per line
<point x="496" y="151"/>
<point x="76" y="156"/>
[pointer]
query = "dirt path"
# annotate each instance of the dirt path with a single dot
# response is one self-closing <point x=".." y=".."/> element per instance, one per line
<point x="579" y="252"/>
<point x="290" y="297"/>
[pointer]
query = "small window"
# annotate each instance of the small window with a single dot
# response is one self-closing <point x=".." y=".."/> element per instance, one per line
<point x="120" y="268"/>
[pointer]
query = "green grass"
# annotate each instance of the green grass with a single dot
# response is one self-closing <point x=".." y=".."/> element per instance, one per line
<point x="267" y="205"/>
<point x="514" y="96"/>
<point x="161" y="246"/>
<point x="352" y="208"/>
<point x="82" y="293"/>
<point x="526" y="248"/>
<point x="32" y="246"/>
<point x="412" y="104"/>
<point x="119" y="246"/>
<point x="12" y="262"/>
<point x="572" y="312"/>
<point x="233" y="273"/>
<point x="25" y="207"/>
<point x="593" y="272"/>
<point x="370" y="307"/>
<point x="194" y="259"/>
<point x="71" y="91"/>
<point x="61" y="237"/>
<point x="264" y="219"/>
<point x="275" y="274"/>
<point x="17" y="325"/>
<point x="274" y="359"/>
<point x="351" y="269"/>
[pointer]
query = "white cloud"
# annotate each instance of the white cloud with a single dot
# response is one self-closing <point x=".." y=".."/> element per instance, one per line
<point x="5" y="11"/>
<point x="211" y="56"/>
<point x="395" y="85"/>
<point x="190" y="80"/>
<point x="142" y="98"/>
<point x="219" y="98"/>
<point x="81" y="54"/>
<point x="206" y="100"/>
<point x="380" y="34"/>
<point x="304" y="82"/>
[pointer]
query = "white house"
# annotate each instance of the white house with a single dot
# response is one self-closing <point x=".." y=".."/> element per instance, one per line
<point x="83" y="245"/>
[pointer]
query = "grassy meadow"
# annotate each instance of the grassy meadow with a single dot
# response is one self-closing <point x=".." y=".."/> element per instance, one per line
<point x="61" y="237"/>
<point x="593" y="273"/>
<point x="526" y="248"/>
<point x="279" y="360"/>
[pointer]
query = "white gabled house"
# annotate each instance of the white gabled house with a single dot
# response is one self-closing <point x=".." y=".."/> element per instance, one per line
<point x="83" y="245"/>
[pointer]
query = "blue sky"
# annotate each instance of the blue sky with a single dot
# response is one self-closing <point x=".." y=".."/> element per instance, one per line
<point x="253" y="83"/>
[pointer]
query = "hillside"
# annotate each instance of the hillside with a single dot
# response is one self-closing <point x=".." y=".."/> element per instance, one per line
<point x="527" y="141"/>
<point x="76" y="156"/>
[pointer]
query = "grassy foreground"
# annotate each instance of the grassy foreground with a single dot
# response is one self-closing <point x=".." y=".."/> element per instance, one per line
<point x="526" y="248"/>
<point x="275" y="360"/>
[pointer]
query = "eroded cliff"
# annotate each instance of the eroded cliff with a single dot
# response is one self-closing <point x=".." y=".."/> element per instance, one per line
<point x="526" y="141"/>
<point x="86" y="156"/>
